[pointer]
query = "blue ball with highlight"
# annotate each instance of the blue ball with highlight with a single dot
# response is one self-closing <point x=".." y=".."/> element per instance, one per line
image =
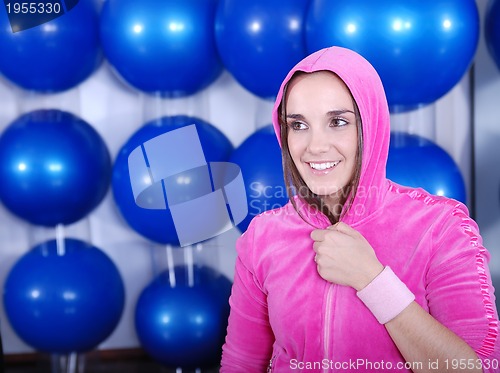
<point x="55" y="168"/>
<point x="418" y="162"/>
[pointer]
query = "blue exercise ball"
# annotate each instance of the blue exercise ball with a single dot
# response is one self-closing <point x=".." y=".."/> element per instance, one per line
<point x="418" y="162"/>
<point x="62" y="302"/>
<point x="54" y="166"/>
<point x="54" y="56"/>
<point x="157" y="224"/>
<point x="259" y="41"/>
<point x="165" y="47"/>
<point x="421" y="49"/>
<point x="492" y="30"/>
<point x="259" y="158"/>
<point x="184" y="326"/>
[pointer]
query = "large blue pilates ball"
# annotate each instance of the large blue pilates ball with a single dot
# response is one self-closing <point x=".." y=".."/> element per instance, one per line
<point x="157" y="225"/>
<point x="54" y="166"/>
<point x="62" y="302"/>
<point x="184" y="326"/>
<point x="259" y="157"/>
<point x="418" y="162"/>
<point x="259" y="41"/>
<point x="162" y="46"/>
<point x="421" y="49"/>
<point x="53" y="56"/>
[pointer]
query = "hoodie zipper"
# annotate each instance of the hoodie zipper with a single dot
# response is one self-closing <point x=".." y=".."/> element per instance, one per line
<point x="326" y="331"/>
<point x="270" y="366"/>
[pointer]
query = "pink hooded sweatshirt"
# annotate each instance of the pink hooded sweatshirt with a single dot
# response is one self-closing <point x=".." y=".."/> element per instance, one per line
<point x="285" y="317"/>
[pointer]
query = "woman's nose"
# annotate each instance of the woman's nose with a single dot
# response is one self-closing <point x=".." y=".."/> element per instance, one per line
<point x="318" y="142"/>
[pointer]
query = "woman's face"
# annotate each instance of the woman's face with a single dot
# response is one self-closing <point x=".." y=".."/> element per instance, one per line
<point x="322" y="133"/>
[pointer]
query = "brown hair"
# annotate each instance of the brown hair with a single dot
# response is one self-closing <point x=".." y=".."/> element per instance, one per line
<point x="295" y="185"/>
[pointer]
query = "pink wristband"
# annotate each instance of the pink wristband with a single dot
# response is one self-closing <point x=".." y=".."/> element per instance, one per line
<point x="386" y="296"/>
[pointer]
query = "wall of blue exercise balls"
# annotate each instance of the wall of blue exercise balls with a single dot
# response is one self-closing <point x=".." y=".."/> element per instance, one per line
<point x="56" y="169"/>
<point x="179" y="48"/>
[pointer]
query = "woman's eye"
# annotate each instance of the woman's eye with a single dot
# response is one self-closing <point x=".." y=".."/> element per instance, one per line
<point x="339" y="122"/>
<point x="297" y="126"/>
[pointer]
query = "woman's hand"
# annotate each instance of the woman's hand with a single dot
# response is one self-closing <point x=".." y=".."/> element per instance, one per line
<point x="344" y="256"/>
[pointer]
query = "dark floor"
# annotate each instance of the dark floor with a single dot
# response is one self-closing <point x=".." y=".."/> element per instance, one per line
<point x="122" y="361"/>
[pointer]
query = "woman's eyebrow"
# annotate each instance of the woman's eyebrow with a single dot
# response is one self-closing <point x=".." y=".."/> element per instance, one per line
<point x="331" y="113"/>
<point x="295" y="116"/>
<point x="339" y="112"/>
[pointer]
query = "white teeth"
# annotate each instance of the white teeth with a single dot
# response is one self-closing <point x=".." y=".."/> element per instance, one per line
<point x="323" y="166"/>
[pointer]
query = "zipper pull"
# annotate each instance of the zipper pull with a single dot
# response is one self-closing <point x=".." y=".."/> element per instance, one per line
<point x="270" y="366"/>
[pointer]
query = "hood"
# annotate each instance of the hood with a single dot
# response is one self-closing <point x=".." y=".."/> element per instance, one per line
<point x="368" y="92"/>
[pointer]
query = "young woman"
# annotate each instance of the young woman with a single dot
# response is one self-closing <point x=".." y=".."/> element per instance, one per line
<point x="356" y="273"/>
